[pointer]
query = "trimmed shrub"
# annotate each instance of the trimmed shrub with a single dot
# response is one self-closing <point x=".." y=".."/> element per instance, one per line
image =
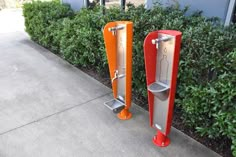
<point x="82" y="40"/>
<point x="39" y="18"/>
<point x="206" y="90"/>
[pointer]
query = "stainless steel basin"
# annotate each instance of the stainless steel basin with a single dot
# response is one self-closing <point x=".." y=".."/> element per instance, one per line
<point x="160" y="90"/>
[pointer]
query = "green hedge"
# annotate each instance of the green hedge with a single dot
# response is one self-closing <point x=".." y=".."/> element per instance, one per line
<point x="41" y="18"/>
<point x="206" y="90"/>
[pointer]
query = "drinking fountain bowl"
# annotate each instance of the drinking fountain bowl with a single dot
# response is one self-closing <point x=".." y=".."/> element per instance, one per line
<point x="160" y="90"/>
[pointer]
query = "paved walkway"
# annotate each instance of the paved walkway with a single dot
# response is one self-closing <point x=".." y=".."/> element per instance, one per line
<point x="48" y="108"/>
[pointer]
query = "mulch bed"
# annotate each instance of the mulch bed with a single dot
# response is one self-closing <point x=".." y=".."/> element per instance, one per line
<point x="221" y="145"/>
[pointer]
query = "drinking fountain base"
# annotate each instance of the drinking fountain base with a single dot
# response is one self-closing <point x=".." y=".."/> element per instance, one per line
<point x="124" y="114"/>
<point x="161" y="140"/>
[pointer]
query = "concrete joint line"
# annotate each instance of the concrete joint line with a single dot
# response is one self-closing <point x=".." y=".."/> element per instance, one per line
<point x="53" y="114"/>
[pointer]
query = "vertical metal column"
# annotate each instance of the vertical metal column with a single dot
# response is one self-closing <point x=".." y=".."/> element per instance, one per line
<point x="122" y="4"/>
<point x="230" y="12"/>
<point x="102" y="2"/>
<point x="86" y="3"/>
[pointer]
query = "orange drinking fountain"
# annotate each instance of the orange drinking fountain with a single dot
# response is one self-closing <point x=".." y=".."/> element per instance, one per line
<point x="118" y="42"/>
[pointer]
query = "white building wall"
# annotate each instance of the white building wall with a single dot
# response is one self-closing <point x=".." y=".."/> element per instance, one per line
<point x="210" y="8"/>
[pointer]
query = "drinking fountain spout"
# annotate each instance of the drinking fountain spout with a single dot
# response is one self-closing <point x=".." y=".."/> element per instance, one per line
<point x="117" y="76"/>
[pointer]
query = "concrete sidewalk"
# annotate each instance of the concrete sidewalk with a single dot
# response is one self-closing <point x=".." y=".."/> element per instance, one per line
<point x="48" y="108"/>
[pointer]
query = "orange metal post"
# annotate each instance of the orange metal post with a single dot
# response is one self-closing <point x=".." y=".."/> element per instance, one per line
<point x="111" y="47"/>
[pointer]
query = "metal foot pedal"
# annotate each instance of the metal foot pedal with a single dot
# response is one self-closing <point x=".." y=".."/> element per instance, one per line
<point x="115" y="105"/>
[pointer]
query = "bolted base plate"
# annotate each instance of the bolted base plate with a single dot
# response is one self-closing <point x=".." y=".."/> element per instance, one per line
<point x="161" y="140"/>
<point x="124" y="114"/>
